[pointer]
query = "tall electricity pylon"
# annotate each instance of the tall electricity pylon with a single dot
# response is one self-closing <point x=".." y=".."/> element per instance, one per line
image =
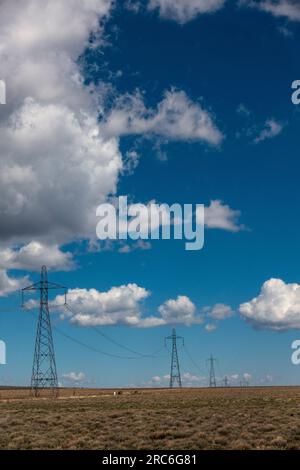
<point x="212" y="375"/>
<point x="175" y="370"/>
<point x="44" y="374"/>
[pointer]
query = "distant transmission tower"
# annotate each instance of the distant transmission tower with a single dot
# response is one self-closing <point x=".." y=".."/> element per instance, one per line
<point x="175" y="370"/>
<point x="212" y="375"/>
<point x="225" y="381"/>
<point x="44" y="374"/>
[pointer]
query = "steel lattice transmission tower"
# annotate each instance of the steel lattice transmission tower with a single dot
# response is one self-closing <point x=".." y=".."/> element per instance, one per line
<point x="212" y="375"/>
<point x="44" y="373"/>
<point x="175" y="370"/>
<point x="226" y="382"/>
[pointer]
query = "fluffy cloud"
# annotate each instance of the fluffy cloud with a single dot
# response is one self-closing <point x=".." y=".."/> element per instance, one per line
<point x="188" y="380"/>
<point x="158" y="381"/>
<point x="74" y="377"/>
<point x="271" y="129"/>
<point x="192" y="380"/>
<point x="8" y="284"/>
<point x="267" y="379"/>
<point x="220" y="312"/>
<point x="180" y="310"/>
<point x="32" y="256"/>
<point x="217" y="312"/>
<point x="57" y="163"/>
<point x="175" y="118"/>
<point x="221" y="216"/>
<point x="239" y="379"/>
<point x="118" y="306"/>
<point x="183" y="11"/>
<point x="247" y="377"/>
<point x="55" y="166"/>
<point x="123" y="306"/>
<point x="277" y="307"/>
<point x="289" y="9"/>
<point x="54" y="171"/>
<point x="41" y="42"/>
<point x="130" y="162"/>
<point x="209" y="327"/>
<point x="234" y="377"/>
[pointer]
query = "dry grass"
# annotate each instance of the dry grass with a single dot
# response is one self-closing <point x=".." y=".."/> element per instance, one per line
<point x="188" y="419"/>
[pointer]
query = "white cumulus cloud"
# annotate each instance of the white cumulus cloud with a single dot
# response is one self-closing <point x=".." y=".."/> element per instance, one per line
<point x="220" y="312"/>
<point x="57" y="162"/>
<point x="209" y="327"/>
<point x="216" y="313"/>
<point x="118" y="306"/>
<point x="183" y="11"/>
<point x="55" y="167"/>
<point x="175" y="118"/>
<point x="9" y="284"/>
<point x="289" y="9"/>
<point x="220" y="216"/>
<point x="277" y="307"/>
<point x="74" y="376"/>
<point x="123" y="305"/>
<point x="179" y="310"/>
<point x="188" y="379"/>
<point x="32" y="256"/>
<point x="247" y="377"/>
<point x="193" y="380"/>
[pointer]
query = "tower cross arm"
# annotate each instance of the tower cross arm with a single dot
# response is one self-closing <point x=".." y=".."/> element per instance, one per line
<point x="53" y="285"/>
<point x="35" y="286"/>
<point x="41" y="285"/>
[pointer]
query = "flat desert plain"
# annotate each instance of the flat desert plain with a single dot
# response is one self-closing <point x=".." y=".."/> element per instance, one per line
<point x="152" y="419"/>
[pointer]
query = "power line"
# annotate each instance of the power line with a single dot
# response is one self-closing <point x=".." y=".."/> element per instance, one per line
<point x="113" y="341"/>
<point x="108" y="338"/>
<point x="92" y="348"/>
<point x="89" y="347"/>
<point x="67" y="306"/>
<point x="192" y="360"/>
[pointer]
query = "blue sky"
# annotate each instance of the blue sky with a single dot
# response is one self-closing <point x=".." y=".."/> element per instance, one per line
<point x="236" y="65"/>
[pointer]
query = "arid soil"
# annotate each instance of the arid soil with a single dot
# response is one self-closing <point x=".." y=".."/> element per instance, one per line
<point x="186" y="419"/>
